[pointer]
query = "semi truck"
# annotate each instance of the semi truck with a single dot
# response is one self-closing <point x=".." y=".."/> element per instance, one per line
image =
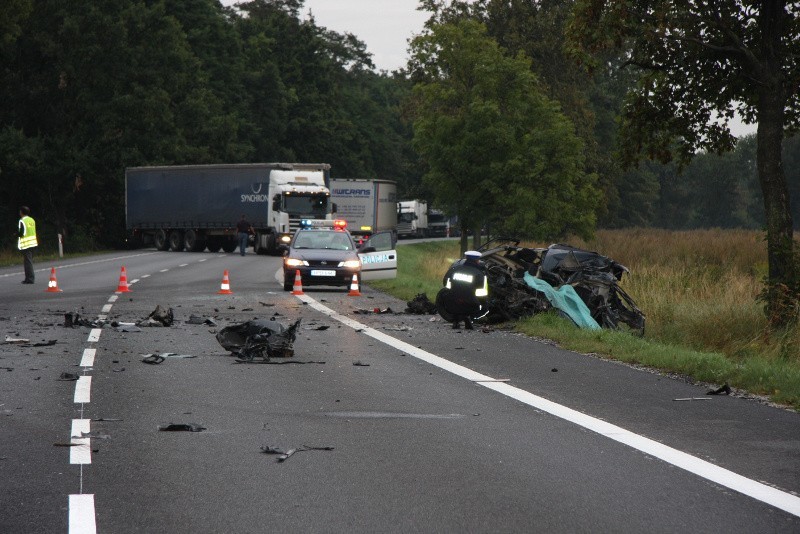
<point x="195" y="207"/>
<point x="412" y="218"/>
<point x="368" y="206"/>
<point x="438" y="223"/>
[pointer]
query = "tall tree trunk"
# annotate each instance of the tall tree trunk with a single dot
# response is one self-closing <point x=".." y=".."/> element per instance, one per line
<point x="476" y="236"/>
<point x="771" y="101"/>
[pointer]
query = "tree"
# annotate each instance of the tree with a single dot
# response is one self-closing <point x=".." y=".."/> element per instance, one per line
<point x="498" y="151"/>
<point x="695" y="62"/>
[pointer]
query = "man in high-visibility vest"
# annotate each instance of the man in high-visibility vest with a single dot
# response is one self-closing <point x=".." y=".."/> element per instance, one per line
<point x="26" y="242"/>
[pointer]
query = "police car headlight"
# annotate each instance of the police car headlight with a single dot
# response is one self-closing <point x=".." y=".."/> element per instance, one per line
<point x="294" y="262"/>
<point x="350" y="264"/>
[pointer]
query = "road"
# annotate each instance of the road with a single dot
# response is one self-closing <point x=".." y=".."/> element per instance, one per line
<point x="435" y="431"/>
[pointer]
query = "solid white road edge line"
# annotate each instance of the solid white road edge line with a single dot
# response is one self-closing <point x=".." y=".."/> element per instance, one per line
<point x="81" y="514"/>
<point x="81" y="451"/>
<point x="84" y="263"/>
<point x="83" y="389"/>
<point x="88" y="357"/>
<point x="94" y="335"/>
<point x="761" y="492"/>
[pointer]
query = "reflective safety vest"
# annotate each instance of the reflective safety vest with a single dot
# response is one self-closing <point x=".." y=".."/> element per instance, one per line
<point x="28" y="239"/>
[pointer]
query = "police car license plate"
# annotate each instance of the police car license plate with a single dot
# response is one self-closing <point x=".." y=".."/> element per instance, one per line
<point x="317" y="272"/>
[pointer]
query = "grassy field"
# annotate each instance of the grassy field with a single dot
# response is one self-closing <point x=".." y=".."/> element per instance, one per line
<point x="698" y="290"/>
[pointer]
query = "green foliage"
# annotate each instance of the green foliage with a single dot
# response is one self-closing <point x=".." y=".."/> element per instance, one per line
<point x="498" y="150"/>
<point x="92" y="88"/>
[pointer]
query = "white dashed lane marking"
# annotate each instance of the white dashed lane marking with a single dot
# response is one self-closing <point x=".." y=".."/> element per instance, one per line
<point x="88" y="357"/>
<point x="81" y="514"/>
<point x="83" y="389"/>
<point x="81" y="450"/>
<point x="94" y="335"/>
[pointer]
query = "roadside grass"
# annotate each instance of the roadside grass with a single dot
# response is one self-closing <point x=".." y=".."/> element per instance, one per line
<point x="698" y="290"/>
<point x="9" y="258"/>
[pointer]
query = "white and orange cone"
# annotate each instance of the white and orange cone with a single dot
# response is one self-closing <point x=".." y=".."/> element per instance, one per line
<point x="123" y="282"/>
<point x="354" y="292"/>
<point x="52" y="285"/>
<point x="297" y="289"/>
<point x="225" y="286"/>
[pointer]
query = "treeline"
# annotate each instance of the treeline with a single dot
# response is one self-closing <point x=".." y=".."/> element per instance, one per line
<point x="89" y="88"/>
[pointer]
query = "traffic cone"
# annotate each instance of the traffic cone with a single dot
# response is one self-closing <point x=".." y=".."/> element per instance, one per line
<point x="52" y="285"/>
<point x="298" y="283"/>
<point x="225" y="286"/>
<point x="354" y="292"/>
<point x="123" y="281"/>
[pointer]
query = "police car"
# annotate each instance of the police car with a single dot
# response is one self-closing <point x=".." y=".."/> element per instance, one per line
<point x="325" y="254"/>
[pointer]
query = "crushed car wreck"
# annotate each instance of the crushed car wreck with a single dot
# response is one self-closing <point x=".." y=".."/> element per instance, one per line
<point x="263" y="339"/>
<point x="515" y="272"/>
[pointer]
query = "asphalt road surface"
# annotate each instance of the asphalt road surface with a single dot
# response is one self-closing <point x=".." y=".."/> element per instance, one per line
<point x="411" y="426"/>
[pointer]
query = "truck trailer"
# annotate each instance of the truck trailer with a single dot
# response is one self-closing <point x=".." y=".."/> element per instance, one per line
<point x="412" y="218"/>
<point x="195" y="207"/>
<point x="368" y="206"/>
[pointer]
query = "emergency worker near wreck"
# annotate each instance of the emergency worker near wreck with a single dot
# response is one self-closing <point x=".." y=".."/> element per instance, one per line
<point x="466" y="290"/>
<point x="243" y="231"/>
<point x="26" y="242"/>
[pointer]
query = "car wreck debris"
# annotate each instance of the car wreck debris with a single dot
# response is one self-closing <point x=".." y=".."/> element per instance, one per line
<point x="263" y="339"/>
<point x="159" y="317"/>
<point x="284" y="455"/>
<point x="515" y="272"/>
<point x="725" y="389"/>
<point x="420" y="305"/>
<point x="182" y="427"/>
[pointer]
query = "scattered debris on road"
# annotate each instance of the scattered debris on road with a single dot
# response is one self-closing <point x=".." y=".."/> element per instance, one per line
<point x="359" y="363"/>
<point x="196" y="319"/>
<point x="725" y="389"/>
<point x="420" y="305"/>
<point x="153" y="359"/>
<point x="284" y="455"/>
<point x="16" y="340"/>
<point x="157" y="358"/>
<point x="159" y="317"/>
<point x="182" y="427"/>
<point x="68" y="377"/>
<point x="263" y="339"/>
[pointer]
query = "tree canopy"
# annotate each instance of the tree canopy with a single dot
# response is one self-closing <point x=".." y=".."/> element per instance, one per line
<point x="697" y="62"/>
<point x="498" y="150"/>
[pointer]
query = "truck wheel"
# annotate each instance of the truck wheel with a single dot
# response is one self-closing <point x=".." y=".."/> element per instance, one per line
<point x="229" y="245"/>
<point x="176" y="241"/>
<point x="193" y="241"/>
<point x="160" y="240"/>
<point x="214" y="243"/>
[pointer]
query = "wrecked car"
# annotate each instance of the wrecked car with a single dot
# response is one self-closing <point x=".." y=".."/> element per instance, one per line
<point x="593" y="277"/>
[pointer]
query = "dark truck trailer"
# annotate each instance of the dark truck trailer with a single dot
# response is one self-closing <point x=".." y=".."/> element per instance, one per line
<point x="197" y="206"/>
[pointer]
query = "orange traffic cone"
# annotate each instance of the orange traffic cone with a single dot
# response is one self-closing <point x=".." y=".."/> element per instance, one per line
<point x="225" y="286"/>
<point x="52" y="285"/>
<point x="123" y="281"/>
<point x="298" y="283"/>
<point x="354" y="292"/>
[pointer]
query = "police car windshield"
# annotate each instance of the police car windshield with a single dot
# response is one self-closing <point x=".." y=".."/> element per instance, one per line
<point x="323" y="239"/>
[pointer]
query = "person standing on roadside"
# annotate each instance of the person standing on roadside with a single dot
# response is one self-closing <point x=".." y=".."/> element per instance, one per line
<point x="26" y="242"/>
<point x="244" y="230"/>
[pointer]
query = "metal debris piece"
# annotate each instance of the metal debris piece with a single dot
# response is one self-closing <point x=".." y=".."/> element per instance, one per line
<point x="161" y="316"/>
<point x="127" y="328"/>
<point x="16" y="340"/>
<point x="397" y="328"/>
<point x="259" y="339"/>
<point x="692" y="399"/>
<point x="153" y="359"/>
<point x="182" y="427"/>
<point x="359" y="363"/>
<point x="725" y="389"/>
<point x="420" y="305"/>
<point x="68" y="377"/>
<point x="196" y="319"/>
<point x="284" y="455"/>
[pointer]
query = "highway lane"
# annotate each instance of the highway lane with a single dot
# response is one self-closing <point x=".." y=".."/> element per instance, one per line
<point x="416" y="448"/>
